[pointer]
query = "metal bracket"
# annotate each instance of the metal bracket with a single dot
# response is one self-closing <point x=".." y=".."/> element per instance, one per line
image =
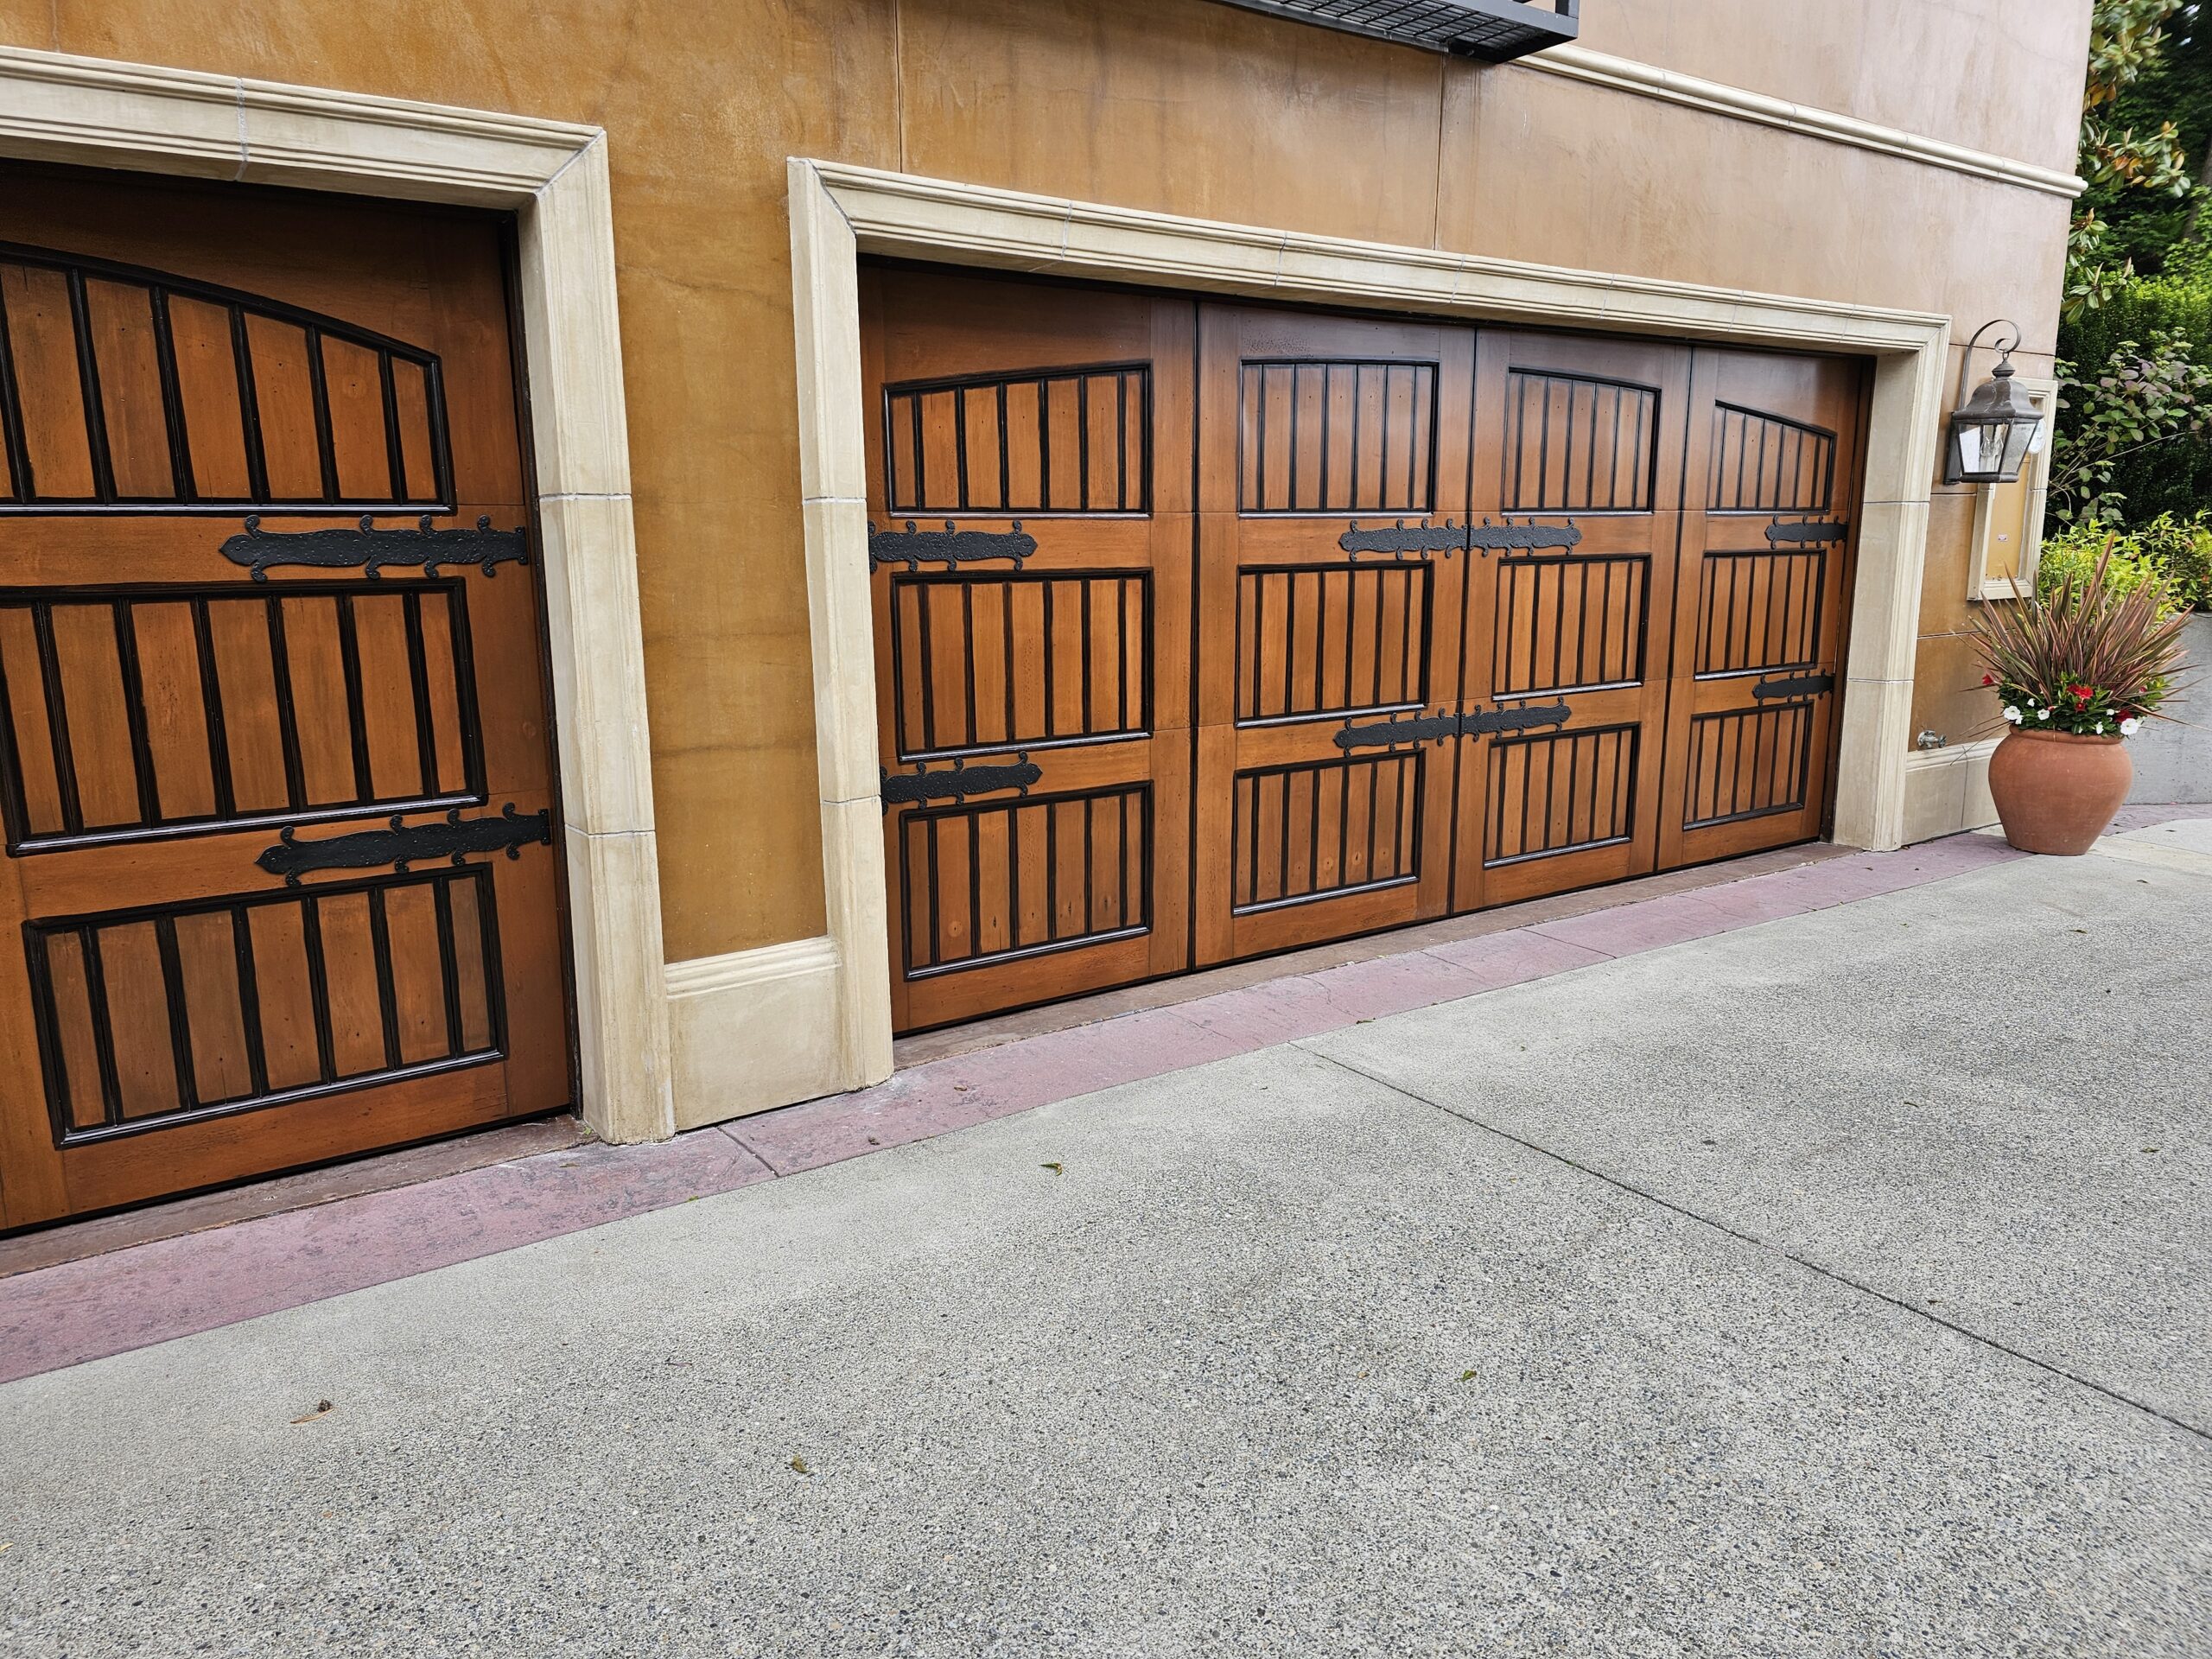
<point x="1792" y="685"/>
<point x="367" y="549"/>
<point x="402" y="844"/>
<point x="959" y="781"/>
<point x="1806" y="530"/>
<point x="1400" y="539"/>
<point x="1422" y="728"/>
<point x="1521" y="717"/>
<point x="914" y="547"/>
<point x="1510" y="537"/>
<point x="1388" y="733"/>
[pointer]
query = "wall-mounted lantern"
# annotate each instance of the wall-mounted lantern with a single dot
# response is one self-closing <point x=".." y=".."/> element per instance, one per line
<point x="1998" y="427"/>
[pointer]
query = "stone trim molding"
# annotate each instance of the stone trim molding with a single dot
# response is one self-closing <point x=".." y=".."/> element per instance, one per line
<point x="1716" y="98"/>
<point x="1946" y="790"/>
<point x="552" y="175"/>
<point x="705" y="976"/>
<point x="840" y="211"/>
<point x="760" y="1028"/>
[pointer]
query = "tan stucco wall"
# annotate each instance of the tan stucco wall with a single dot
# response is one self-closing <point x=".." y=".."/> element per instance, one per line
<point x="1175" y="104"/>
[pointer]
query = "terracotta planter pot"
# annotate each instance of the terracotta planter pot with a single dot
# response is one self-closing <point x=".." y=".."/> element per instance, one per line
<point x="2055" y="791"/>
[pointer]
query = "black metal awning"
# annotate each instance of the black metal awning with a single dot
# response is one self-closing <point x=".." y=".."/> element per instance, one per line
<point x="1494" y="31"/>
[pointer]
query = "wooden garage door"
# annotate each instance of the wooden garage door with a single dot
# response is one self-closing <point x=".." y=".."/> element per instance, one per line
<point x="274" y="754"/>
<point x="1031" y="552"/>
<point x="1422" y="619"/>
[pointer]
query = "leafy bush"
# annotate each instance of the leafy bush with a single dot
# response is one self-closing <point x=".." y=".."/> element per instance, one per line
<point x="2084" y="657"/>
<point x="2132" y="430"/>
<point x="2181" y="550"/>
<point x="2171" y="550"/>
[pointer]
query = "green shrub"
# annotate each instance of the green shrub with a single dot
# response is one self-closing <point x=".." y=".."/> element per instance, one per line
<point x="2102" y="345"/>
<point x="2171" y="549"/>
<point x="2182" y="549"/>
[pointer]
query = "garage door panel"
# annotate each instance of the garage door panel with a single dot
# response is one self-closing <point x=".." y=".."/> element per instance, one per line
<point x="1562" y="810"/>
<point x="1337" y="433"/>
<point x="1331" y="550"/>
<point x="274" y="750"/>
<point x="1766" y="551"/>
<point x="1065" y="874"/>
<point x="1072" y="438"/>
<point x="1324" y="636"/>
<point x="1019" y="660"/>
<point x="1571" y="623"/>
<point x="1031" y="557"/>
<point x="1572" y="424"/>
<point x="1758" y="609"/>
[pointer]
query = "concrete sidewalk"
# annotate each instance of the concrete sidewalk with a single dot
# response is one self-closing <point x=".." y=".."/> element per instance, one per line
<point x="1835" y="1285"/>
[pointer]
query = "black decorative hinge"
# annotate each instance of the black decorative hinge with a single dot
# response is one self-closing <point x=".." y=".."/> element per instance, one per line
<point x="959" y="781"/>
<point x="1520" y="717"/>
<point x="402" y="843"/>
<point x="1806" y="530"/>
<point x="1388" y="733"/>
<point x="1792" y="685"/>
<point x="367" y="549"/>
<point x="1401" y="538"/>
<point x="1510" y="537"/>
<point x="1422" y="728"/>
<point x="914" y="547"/>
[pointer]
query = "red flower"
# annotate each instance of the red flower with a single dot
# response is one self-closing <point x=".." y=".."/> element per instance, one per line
<point x="1989" y="679"/>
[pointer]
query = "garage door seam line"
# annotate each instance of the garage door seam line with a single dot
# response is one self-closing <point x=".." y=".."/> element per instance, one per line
<point x="1758" y="1243"/>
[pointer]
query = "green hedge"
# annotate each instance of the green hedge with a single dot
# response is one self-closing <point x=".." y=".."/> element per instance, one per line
<point x="2174" y="477"/>
<point x="2172" y="548"/>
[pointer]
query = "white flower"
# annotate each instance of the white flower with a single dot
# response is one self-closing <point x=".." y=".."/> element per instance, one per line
<point x="2129" y="727"/>
<point x="2012" y="714"/>
<point x="2042" y="713"/>
<point x="2100" y="728"/>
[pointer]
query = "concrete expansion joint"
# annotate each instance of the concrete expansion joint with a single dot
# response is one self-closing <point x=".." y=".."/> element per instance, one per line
<point x="1758" y="1243"/>
<point x="584" y="495"/>
<point x="2183" y="860"/>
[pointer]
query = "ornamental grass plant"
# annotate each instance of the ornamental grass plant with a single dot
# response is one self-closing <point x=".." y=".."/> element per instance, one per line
<point x="2088" y="656"/>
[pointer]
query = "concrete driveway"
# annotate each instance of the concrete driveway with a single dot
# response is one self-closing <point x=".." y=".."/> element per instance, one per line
<point x="1835" y="1286"/>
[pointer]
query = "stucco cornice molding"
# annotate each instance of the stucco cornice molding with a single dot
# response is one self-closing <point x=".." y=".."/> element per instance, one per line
<point x="902" y="213"/>
<point x="151" y="118"/>
<point x="1716" y="98"/>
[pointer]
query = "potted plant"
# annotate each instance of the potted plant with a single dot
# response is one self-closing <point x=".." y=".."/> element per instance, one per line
<point x="2079" y="670"/>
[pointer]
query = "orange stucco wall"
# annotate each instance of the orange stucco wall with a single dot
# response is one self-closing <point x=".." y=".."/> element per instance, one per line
<point x="1180" y="106"/>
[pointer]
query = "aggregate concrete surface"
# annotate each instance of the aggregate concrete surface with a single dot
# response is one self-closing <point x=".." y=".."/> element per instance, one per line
<point x="1810" y="1289"/>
